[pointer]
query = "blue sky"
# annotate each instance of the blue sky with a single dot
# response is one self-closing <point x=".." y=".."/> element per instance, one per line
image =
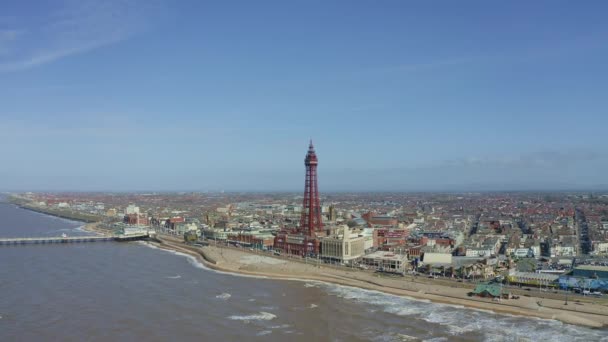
<point x="397" y="95"/>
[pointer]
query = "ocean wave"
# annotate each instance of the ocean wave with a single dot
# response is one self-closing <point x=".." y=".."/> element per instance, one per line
<point x="174" y="277"/>
<point x="312" y="284"/>
<point x="196" y="263"/>
<point x="456" y="319"/>
<point x="459" y="320"/>
<point x="223" y="296"/>
<point x="261" y="316"/>
<point x="312" y="306"/>
<point x="282" y="326"/>
<point x="264" y="332"/>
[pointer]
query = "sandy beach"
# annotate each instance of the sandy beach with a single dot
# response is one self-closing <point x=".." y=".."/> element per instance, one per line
<point x="250" y="263"/>
<point x="95" y="227"/>
<point x="246" y="262"/>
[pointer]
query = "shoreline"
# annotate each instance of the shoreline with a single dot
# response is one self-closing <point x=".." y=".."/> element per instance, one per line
<point x="215" y="260"/>
<point x="74" y="216"/>
<point x="228" y="261"/>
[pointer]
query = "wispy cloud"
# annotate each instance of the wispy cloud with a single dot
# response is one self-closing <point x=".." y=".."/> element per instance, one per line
<point x="538" y="159"/>
<point x="71" y="28"/>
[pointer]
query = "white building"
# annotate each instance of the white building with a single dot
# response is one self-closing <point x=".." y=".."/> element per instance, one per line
<point x="131" y="209"/>
<point x="476" y="252"/>
<point x="523" y="253"/>
<point x="564" y="250"/>
<point x="437" y="258"/>
<point x="386" y="261"/>
<point x="215" y="233"/>
<point x="186" y="227"/>
<point x="600" y="247"/>
<point x="343" y="247"/>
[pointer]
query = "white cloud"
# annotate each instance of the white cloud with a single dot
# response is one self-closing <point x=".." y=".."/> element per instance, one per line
<point x="75" y="27"/>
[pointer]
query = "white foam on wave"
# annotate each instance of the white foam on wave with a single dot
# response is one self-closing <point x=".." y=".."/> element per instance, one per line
<point x="223" y="296"/>
<point x="312" y="306"/>
<point x="174" y="277"/>
<point x="194" y="262"/>
<point x="261" y="316"/>
<point x="458" y="320"/>
<point x="282" y="326"/>
<point x="264" y="332"/>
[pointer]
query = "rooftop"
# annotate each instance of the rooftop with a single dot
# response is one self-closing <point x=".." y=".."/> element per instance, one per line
<point x="386" y="256"/>
<point x="592" y="268"/>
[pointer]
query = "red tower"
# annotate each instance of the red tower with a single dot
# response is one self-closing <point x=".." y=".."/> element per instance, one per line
<point x="310" y="222"/>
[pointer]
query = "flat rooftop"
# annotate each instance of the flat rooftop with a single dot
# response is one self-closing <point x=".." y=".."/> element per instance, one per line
<point x="592" y="268"/>
<point x="384" y="255"/>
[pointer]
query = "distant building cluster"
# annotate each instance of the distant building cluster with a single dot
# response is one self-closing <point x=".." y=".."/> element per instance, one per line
<point x="526" y="238"/>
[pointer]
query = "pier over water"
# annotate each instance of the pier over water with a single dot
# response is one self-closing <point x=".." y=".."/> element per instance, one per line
<point x="71" y="239"/>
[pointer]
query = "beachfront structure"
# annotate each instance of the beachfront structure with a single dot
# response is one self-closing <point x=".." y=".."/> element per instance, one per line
<point x="531" y="278"/>
<point x="215" y="233"/>
<point x="437" y="258"/>
<point x="310" y="221"/>
<point x="591" y="271"/>
<point x="386" y="261"/>
<point x="182" y="228"/>
<point x="304" y="240"/>
<point x="488" y="290"/>
<point x="343" y="247"/>
<point x="255" y="238"/>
